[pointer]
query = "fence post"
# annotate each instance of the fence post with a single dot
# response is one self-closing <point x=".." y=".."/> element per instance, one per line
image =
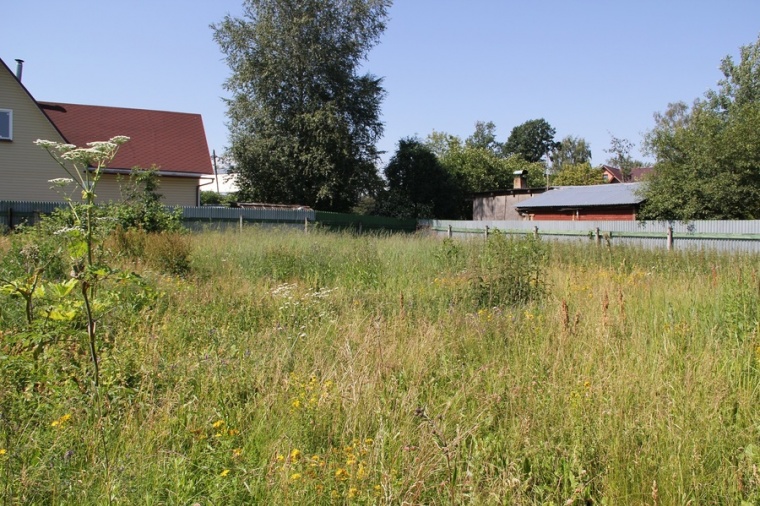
<point x="306" y="225"/>
<point x="670" y="238"/>
<point x="450" y="234"/>
<point x="241" y="222"/>
<point x="535" y="232"/>
<point x="598" y="237"/>
<point x="485" y="234"/>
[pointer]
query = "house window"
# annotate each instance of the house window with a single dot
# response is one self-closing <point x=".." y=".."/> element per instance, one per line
<point x="6" y="124"/>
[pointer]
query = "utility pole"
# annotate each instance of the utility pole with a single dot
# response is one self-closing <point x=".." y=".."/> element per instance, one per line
<point x="216" y="173"/>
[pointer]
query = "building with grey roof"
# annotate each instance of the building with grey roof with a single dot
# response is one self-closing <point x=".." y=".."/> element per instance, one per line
<point x="595" y="202"/>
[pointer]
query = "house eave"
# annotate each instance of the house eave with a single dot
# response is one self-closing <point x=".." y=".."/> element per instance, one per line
<point x="165" y="173"/>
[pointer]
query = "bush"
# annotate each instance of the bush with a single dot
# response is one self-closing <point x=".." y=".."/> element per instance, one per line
<point x="141" y="205"/>
<point x="168" y="252"/>
<point x="509" y="271"/>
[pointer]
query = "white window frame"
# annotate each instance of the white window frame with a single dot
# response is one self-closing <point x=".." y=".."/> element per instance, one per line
<point x="10" y="124"/>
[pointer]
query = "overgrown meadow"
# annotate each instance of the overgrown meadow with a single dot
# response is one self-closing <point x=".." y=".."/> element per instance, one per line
<point x="277" y="367"/>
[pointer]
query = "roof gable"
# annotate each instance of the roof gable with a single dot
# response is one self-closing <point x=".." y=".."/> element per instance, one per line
<point x="14" y="79"/>
<point x="173" y="141"/>
<point x="637" y="173"/>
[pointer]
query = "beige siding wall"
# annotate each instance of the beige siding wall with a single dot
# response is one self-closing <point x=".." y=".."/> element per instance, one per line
<point x="175" y="191"/>
<point x="25" y="169"/>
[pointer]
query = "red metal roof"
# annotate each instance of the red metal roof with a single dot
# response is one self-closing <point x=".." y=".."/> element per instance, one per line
<point x="173" y="141"/>
<point x="637" y="173"/>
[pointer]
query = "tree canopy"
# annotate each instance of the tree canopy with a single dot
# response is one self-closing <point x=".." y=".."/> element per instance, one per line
<point x="620" y="151"/>
<point x="570" y="151"/>
<point x="708" y="155"/>
<point x="477" y="164"/>
<point x="577" y="174"/>
<point x="418" y="186"/>
<point x="532" y="140"/>
<point x="303" y="121"/>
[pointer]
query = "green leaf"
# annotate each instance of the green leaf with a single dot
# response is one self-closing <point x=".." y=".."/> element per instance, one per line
<point x="77" y="249"/>
<point x="61" y="314"/>
<point x="62" y="289"/>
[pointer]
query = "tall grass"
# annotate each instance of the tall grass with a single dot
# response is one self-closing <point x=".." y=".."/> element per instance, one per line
<point x="336" y="369"/>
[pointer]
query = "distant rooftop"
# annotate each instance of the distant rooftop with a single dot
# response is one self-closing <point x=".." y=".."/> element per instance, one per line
<point x="586" y="196"/>
<point x="636" y="174"/>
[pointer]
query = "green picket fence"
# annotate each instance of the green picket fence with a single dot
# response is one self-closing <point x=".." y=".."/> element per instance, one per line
<point x="13" y="214"/>
<point x="361" y="223"/>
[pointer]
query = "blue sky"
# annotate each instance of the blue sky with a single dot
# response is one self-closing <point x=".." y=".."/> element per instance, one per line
<point x="591" y="68"/>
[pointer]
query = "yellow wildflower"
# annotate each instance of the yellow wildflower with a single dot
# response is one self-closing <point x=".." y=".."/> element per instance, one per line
<point x="233" y="432"/>
<point x="295" y="476"/>
<point x="280" y="458"/>
<point x="3" y="451"/>
<point x="369" y="441"/>
<point x="361" y="473"/>
<point x="62" y="420"/>
<point x="224" y="473"/>
<point x="352" y="492"/>
<point x="217" y="424"/>
<point x="296" y="403"/>
<point x="295" y="454"/>
<point x="237" y="452"/>
<point x="341" y="474"/>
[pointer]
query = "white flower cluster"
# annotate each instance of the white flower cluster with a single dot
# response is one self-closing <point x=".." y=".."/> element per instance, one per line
<point x="97" y="153"/>
<point x="65" y="230"/>
<point x="61" y="181"/>
<point x="284" y="290"/>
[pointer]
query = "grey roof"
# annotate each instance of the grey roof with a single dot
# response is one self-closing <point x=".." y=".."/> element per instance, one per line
<point x="613" y="194"/>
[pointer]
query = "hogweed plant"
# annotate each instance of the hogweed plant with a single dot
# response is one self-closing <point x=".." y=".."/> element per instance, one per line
<point x="84" y="167"/>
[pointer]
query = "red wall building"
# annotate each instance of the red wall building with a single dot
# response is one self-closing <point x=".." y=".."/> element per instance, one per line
<point x="584" y="203"/>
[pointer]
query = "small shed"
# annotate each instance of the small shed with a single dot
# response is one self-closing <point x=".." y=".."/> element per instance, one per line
<point x="579" y="203"/>
<point x="500" y="204"/>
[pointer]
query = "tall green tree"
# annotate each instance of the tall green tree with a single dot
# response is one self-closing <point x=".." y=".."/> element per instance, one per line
<point x="532" y="140"/>
<point x="484" y="137"/>
<point x="418" y="186"/>
<point x="708" y="156"/>
<point x="740" y="85"/>
<point x="303" y="120"/>
<point x="621" y="157"/>
<point x="570" y="151"/>
<point x="475" y="168"/>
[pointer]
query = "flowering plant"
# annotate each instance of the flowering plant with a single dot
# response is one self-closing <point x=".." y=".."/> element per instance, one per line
<point x="84" y="166"/>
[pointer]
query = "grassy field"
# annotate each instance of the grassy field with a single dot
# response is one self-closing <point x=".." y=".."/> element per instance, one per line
<point x="286" y="368"/>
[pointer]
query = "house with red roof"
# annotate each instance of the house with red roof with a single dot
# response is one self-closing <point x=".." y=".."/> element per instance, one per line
<point x="173" y="142"/>
<point x="615" y="174"/>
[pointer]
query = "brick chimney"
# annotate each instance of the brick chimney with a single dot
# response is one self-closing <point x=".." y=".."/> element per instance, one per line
<point x="521" y="179"/>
